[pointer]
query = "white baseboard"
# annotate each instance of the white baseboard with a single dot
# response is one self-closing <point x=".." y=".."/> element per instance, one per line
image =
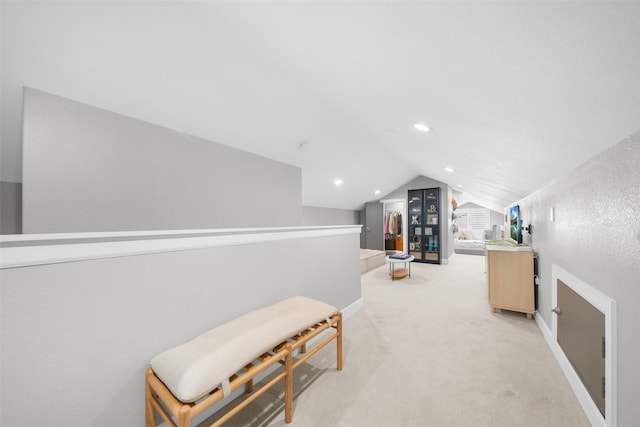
<point x="588" y="406"/>
<point x="352" y="308"/>
<point x="448" y="260"/>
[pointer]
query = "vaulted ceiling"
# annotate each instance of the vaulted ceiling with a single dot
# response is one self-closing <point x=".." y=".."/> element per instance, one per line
<point x="515" y="93"/>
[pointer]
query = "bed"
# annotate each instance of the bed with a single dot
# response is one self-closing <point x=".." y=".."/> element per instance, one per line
<point x="470" y="242"/>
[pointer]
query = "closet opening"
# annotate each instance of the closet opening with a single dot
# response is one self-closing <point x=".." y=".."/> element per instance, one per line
<point x="394" y="226"/>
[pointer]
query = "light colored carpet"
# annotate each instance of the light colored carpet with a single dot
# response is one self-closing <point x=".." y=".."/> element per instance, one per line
<point x="427" y="351"/>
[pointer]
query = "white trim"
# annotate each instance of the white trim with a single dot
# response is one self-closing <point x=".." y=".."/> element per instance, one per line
<point x="40" y="249"/>
<point x="607" y="306"/>
<point x="352" y="308"/>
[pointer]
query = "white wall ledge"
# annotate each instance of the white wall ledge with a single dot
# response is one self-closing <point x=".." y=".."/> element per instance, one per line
<point x="40" y="249"/>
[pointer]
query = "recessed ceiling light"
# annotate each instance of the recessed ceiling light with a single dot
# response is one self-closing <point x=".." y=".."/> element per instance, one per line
<point x="338" y="182"/>
<point x="460" y="186"/>
<point x="376" y="192"/>
<point x="449" y="170"/>
<point x="422" y="127"/>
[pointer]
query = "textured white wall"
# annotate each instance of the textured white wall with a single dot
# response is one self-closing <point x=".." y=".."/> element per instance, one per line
<point x="596" y="237"/>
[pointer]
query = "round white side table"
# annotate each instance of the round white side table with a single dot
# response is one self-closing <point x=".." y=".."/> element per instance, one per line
<point x="399" y="273"/>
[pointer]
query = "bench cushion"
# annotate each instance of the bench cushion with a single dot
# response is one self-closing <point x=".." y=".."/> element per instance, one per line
<point x="193" y="369"/>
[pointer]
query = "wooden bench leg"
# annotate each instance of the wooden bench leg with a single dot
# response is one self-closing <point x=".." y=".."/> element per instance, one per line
<point x="184" y="416"/>
<point x="339" y="343"/>
<point x="288" y="386"/>
<point x="149" y="413"/>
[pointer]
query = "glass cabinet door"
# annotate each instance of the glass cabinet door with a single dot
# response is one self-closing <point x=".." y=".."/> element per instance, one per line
<point x="424" y="224"/>
<point x="415" y="223"/>
<point x="432" y="225"/>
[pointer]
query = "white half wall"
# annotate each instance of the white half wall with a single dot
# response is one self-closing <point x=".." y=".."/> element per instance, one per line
<point x="78" y="334"/>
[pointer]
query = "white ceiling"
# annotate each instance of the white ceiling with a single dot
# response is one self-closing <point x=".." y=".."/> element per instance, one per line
<point x="517" y="93"/>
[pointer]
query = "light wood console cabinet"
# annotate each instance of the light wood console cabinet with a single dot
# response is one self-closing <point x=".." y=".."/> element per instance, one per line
<point x="510" y="278"/>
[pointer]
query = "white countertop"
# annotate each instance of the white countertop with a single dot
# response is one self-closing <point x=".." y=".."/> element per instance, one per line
<point x="509" y="248"/>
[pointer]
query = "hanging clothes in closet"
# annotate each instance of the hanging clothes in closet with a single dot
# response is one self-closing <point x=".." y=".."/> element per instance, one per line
<point x="393" y="230"/>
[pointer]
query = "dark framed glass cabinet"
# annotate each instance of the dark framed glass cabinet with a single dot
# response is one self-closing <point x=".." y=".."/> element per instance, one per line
<point x="423" y="221"/>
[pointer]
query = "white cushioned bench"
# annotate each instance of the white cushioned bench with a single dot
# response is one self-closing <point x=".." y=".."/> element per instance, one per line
<point x="193" y="376"/>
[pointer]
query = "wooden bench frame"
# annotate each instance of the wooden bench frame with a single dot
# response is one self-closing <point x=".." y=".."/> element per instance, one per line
<point x="159" y="399"/>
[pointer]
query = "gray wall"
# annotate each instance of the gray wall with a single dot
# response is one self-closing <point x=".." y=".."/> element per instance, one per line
<point x="87" y="169"/>
<point x="10" y="207"/>
<point x="446" y="231"/>
<point x="312" y="215"/>
<point x="78" y="336"/>
<point x="596" y="237"/>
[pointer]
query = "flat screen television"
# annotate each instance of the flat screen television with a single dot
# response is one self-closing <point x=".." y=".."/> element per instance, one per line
<point x="515" y="225"/>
